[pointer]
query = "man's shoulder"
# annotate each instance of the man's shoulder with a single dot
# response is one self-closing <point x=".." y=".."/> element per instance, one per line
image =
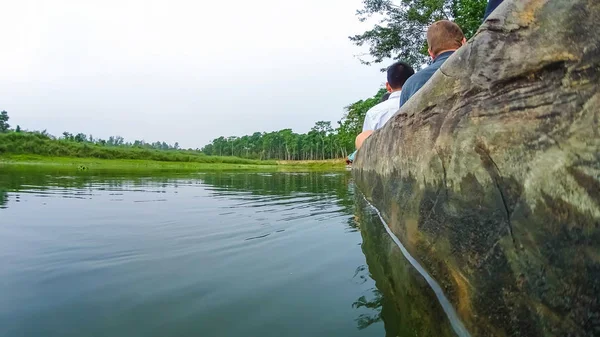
<point x="377" y="108"/>
<point x="412" y="84"/>
<point x="410" y="81"/>
<point x="425" y="73"/>
<point x="372" y="116"/>
<point x="417" y="80"/>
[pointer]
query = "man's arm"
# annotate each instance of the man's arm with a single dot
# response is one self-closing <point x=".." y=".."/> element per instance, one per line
<point x="360" y="139"/>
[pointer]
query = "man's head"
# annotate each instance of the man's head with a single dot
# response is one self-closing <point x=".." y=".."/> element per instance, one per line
<point x="397" y="74"/>
<point x="444" y="36"/>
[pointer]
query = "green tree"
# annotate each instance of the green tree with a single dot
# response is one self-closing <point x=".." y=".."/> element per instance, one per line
<point x="312" y="144"/>
<point x="256" y="144"/>
<point x="18" y="129"/>
<point x="219" y="145"/>
<point x="400" y="33"/>
<point x="322" y="129"/>
<point x="289" y="142"/>
<point x="230" y="142"/>
<point x="80" y="138"/>
<point x="4" y="126"/>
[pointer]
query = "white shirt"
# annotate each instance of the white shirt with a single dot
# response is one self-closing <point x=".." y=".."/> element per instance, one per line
<point x="378" y="115"/>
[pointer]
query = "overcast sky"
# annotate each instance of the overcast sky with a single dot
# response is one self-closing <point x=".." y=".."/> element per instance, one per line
<point x="186" y="71"/>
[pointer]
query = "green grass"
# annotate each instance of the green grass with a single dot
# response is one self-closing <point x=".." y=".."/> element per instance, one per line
<point x="137" y="165"/>
<point x="38" y="150"/>
<point x="13" y="143"/>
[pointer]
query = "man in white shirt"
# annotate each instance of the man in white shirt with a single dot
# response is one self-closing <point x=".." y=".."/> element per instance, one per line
<point x="378" y="115"/>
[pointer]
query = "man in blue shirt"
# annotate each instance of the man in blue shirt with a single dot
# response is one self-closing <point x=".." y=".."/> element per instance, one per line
<point x="443" y="38"/>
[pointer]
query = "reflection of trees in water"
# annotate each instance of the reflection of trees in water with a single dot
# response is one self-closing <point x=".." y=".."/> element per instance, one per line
<point x="3" y="198"/>
<point x="273" y="183"/>
<point x="16" y="179"/>
<point x="318" y="184"/>
<point x="375" y="304"/>
<point x="23" y="179"/>
<point x="402" y="298"/>
<point x="362" y="272"/>
<point x="282" y="183"/>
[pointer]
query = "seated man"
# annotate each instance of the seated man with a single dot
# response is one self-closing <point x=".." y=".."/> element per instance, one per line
<point x="377" y="116"/>
<point x="443" y="38"/>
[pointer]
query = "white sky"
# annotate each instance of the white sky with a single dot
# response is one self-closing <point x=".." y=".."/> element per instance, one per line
<point x="186" y="71"/>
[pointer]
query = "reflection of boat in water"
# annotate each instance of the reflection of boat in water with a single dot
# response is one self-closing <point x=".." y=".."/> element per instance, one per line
<point x="402" y="299"/>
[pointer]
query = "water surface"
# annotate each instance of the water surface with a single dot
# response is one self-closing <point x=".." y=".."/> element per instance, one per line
<point x="209" y="254"/>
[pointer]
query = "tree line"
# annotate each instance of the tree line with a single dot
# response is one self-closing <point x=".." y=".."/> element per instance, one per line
<point x="114" y="141"/>
<point x="18" y="142"/>
<point x="323" y="141"/>
<point x="118" y="141"/>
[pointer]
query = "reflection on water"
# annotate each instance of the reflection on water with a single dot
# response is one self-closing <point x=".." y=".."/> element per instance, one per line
<point x="211" y="254"/>
<point x="374" y="304"/>
<point x="3" y="198"/>
<point x="401" y="298"/>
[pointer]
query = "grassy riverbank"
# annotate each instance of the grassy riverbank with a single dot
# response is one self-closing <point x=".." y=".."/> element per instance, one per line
<point x="140" y="165"/>
<point x="15" y="145"/>
<point x="40" y="150"/>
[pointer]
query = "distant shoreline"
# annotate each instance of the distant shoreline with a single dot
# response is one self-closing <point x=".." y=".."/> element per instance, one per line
<point x="141" y="165"/>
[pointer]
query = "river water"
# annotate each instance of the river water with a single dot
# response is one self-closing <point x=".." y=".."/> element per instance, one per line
<point x="208" y="254"/>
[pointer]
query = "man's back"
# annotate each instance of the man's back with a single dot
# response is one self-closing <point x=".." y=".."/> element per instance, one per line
<point x="378" y="115"/>
<point x="418" y="80"/>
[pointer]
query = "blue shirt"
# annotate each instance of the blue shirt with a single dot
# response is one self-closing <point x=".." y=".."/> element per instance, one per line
<point x="418" y="80"/>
